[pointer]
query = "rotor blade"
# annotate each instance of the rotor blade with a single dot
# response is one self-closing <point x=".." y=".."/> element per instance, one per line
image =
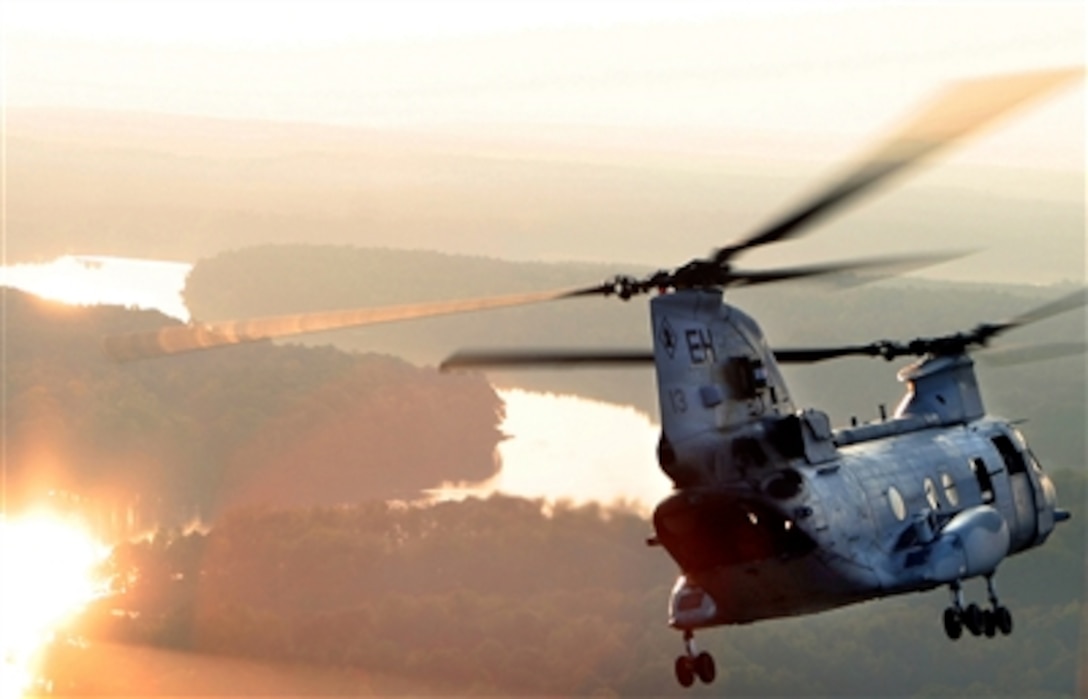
<point x="538" y="359"/>
<point x="812" y="355"/>
<point x="187" y="338"/>
<point x="1011" y="356"/>
<point x="1066" y="303"/>
<point x="889" y="266"/>
<point x="1074" y="300"/>
<point x="963" y="108"/>
<point x="529" y="359"/>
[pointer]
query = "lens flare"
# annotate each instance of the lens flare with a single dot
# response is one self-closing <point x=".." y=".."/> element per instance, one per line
<point x="46" y="575"/>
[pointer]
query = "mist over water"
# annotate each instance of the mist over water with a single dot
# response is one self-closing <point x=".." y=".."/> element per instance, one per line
<point x="558" y="447"/>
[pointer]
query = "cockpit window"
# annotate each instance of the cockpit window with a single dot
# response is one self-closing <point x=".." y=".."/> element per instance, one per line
<point x="1014" y="460"/>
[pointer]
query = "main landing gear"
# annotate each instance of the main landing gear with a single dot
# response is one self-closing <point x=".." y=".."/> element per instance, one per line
<point x="976" y="620"/>
<point x="694" y="664"/>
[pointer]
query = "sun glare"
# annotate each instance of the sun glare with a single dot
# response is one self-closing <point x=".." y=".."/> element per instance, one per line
<point x="46" y="575"/>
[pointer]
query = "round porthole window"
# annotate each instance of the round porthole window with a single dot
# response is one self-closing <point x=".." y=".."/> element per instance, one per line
<point x="895" y="500"/>
<point x="931" y="495"/>
<point x="950" y="493"/>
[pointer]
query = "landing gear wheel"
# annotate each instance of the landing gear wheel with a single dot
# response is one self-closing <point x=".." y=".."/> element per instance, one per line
<point x="685" y="671"/>
<point x="953" y="627"/>
<point x="704" y="667"/>
<point x="989" y="623"/>
<point x="972" y="619"/>
<point x="1004" y="620"/>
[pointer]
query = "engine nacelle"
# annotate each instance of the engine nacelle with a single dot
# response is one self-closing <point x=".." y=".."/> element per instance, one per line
<point x="973" y="543"/>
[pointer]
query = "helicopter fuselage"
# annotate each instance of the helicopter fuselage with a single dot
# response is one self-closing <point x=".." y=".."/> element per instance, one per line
<point x="776" y="514"/>
<point x="872" y="522"/>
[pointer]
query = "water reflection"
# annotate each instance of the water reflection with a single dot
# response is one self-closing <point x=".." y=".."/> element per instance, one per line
<point x="564" y="447"/>
<point x="89" y="280"/>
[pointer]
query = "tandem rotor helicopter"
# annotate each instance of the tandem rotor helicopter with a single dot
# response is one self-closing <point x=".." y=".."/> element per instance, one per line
<point x="774" y="513"/>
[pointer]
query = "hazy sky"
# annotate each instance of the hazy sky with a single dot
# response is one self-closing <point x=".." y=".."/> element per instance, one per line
<point x="788" y="70"/>
<point x="764" y="88"/>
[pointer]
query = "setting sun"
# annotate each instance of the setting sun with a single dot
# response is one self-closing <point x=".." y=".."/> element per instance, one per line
<point x="46" y="574"/>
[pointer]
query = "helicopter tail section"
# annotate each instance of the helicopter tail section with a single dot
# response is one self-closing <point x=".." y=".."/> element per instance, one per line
<point x="717" y="382"/>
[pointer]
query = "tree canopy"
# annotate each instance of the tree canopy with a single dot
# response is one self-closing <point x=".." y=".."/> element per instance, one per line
<point x="198" y="434"/>
<point x="506" y="596"/>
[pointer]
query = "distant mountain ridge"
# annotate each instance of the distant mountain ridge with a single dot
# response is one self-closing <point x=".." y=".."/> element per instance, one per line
<point x="178" y="187"/>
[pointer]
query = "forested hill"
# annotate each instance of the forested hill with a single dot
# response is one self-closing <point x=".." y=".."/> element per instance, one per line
<point x="502" y="598"/>
<point x="197" y="434"/>
<point x="270" y="280"/>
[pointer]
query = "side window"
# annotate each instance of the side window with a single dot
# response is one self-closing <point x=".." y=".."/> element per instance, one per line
<point x="931" y="495"/>
<point x="950" y="493"/>
<point x="895" y="501"/>
<point x="982" y="475"/>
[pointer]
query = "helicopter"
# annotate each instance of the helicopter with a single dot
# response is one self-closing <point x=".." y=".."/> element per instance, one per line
<point x="774" y="513"/>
